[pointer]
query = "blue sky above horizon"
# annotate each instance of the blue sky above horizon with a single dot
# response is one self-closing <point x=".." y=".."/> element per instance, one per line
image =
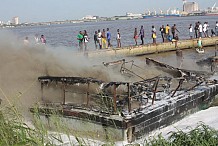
<point x="50" y="10"/>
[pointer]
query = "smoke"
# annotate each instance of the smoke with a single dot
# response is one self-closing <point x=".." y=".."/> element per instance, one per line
<point x="21" y="65"/>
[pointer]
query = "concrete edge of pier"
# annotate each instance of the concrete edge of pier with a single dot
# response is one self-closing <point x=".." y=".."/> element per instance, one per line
<point x="151" y="48"/>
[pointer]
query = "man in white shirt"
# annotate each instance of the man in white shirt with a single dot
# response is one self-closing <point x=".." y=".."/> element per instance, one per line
<point x="191" y="31"/>
<point x="200" y="28"/>
<point x="216" y="28"/>
<point x="99" y="39"/>
<point x="205" y="29"/>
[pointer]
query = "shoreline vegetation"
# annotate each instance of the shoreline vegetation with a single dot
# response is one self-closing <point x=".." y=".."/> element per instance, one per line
<point x="15" y="131"/>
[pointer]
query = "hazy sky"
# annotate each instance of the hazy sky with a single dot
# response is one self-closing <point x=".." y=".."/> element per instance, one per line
<point x="50" y="10"/>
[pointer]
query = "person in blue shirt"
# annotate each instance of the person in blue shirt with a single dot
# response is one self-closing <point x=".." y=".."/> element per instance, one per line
<point x="108" y="38"/>
<point x="169" y="38"/>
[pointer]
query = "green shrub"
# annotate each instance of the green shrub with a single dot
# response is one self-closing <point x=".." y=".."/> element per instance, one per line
<point x="202" y="135"/>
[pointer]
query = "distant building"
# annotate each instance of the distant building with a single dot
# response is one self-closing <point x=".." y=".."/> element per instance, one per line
<point x="90" y="17"/>
<point x="190" y="7"/>
<point x="15" y="20"/>
<point x="133" y="15"/>
<point x="8" y="23"/>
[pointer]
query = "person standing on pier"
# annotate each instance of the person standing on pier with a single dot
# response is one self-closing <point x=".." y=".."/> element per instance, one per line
<point x="200" y="29"/>
<point x="205" y="29"/>
<point x="108" y="38"/>
<point x="96" y="39"/>
<point x="213" y="34"/>
<point x="196" y="29"/>
<point x="99" y="39"/>
<point x="142" y="35"/>
<point x="173" y="30"/>
<point x="167" y="31"/>
<point x="118" y="39"/>
<point x="86" y="39"/>
<point x="162" y="31"/>
<point x="176" y="41"/>
<point x="191" y="31"/>
<point x="153" y="34"/>
<point x="216" y="28"/>
<point x="135" y="36"/>
<point x="104" y="41"/>
<point x="80" y="40"/>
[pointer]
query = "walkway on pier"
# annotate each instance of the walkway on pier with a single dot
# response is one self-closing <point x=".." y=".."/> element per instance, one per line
<point x="151" y="48"/>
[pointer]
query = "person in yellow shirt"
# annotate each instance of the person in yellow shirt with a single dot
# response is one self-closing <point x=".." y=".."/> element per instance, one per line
<point x="167" y="29"/>
<point x="104" y="41"/>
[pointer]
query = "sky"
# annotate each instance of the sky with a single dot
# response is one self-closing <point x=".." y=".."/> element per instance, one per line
<point x="51" y="10"/>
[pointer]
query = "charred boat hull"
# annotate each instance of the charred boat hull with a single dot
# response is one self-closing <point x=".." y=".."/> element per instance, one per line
<point x="129" y="127"/>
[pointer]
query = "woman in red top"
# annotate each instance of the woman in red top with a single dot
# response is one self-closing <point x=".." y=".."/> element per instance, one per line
<point x="135" y="36"/>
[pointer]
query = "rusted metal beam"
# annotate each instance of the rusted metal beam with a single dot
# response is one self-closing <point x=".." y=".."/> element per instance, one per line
<point x="114" y="62"/>
<point x="129" y="98"/>
<point x="68" y="80"/>
<point x="194" y="86"/>
<point x="180" y="84"/>
<point x="188" y="74"/>
<point x="87" y="94"/>
<point x="123" y="68"/>
<point x="42" y="91"/>
<point x="155" y="90"/>
<point x="115" y="98"/>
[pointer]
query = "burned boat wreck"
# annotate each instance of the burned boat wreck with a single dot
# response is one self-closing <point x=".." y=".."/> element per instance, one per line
<point x="122" y="110"/>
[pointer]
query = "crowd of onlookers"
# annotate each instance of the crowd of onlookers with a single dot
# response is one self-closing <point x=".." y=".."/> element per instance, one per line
<point x="202" y="29"/>
<point x="102" y="39"/>
<point x="38" y="40"/>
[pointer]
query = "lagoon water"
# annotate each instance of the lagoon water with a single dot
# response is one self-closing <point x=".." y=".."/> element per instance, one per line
<point x="64" y="35"/>
<point x="25" y="65"/>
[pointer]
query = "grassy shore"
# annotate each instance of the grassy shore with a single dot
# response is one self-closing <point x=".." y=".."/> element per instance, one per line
<point x="14" y="132"/>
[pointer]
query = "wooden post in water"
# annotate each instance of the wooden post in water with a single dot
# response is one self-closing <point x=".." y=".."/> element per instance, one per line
<point x="63" y="96"/>
<point x="115" y="98"/>
<point x="216" y="44"/>
<point x="42" y="92"/>
<point x="129" y="98"/>
<point x="87" y="94"/>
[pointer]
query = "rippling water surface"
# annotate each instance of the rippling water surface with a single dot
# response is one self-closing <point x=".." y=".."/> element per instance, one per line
<point x="65" y="34"/>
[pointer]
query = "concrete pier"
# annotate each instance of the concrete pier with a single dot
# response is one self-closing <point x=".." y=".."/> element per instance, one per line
<point x="151" y="48"/>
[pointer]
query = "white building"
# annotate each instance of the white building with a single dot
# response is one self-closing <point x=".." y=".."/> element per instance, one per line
<point x="89" y="17"/>
<point x="8" y="23"/>
<point x="15" y="20"/>
<point x="190" y="7"/>
<point x="133" y="15"/>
